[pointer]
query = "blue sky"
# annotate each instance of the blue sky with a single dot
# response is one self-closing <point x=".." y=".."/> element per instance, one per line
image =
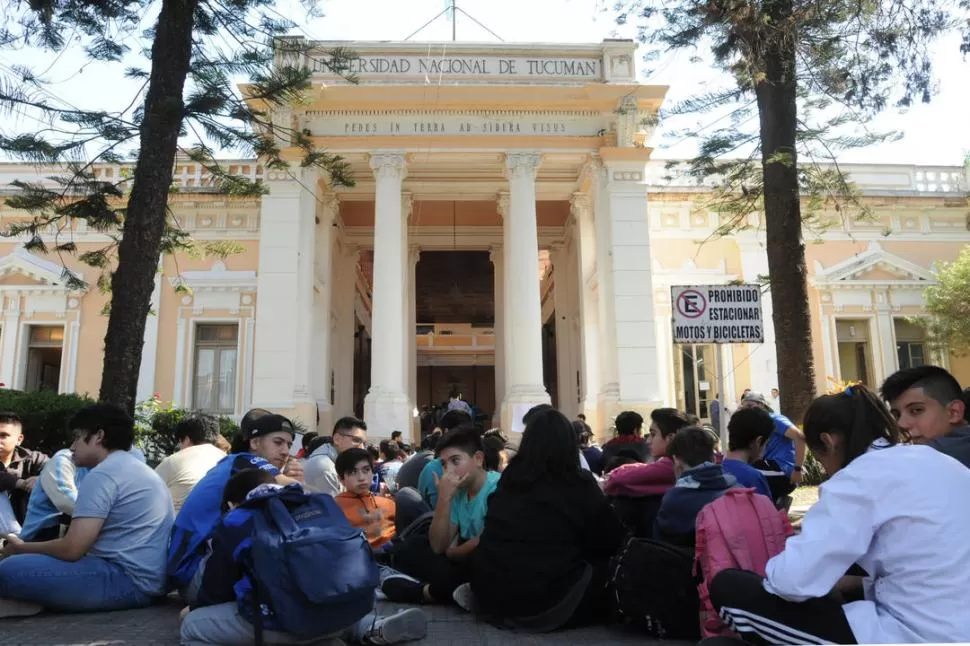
<point x="938" y="133"/>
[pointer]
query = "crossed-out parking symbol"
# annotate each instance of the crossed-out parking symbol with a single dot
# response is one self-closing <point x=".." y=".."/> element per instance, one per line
<point x="691" y="304"/>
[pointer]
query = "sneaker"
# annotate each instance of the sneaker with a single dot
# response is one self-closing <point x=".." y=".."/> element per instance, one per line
<point x="399" y="587"/>
<point x="406" y="625"/>
<point x="464" y="597"/>
<point x="16" y="608"/>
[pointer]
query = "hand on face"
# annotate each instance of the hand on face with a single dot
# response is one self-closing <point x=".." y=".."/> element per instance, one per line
<point x="293" y="468"/>
<point x="449" y="483"/>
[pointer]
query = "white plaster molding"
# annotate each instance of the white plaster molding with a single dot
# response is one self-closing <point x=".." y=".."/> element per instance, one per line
<point x="216" y="289"/>
<point x="389" y="164"/>
<point x="180" y="343"/>
<point x="848" y="273"/>
<point x="522" y="165"/>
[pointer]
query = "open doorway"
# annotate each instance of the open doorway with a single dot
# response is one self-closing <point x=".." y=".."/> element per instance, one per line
<point x="45" y="348"/>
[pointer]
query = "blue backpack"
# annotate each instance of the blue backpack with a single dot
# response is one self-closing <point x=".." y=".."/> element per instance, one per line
<point x="308" y="564"/>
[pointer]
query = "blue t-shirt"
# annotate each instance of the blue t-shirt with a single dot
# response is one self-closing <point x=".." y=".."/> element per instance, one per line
<point x="469" y="515"/>
<point x="136" y="507"/>
<point x="201" y="512"/>
<point x="747" y="476"/>
<point x="780" y="448"/>
<point x="426" y="484"/>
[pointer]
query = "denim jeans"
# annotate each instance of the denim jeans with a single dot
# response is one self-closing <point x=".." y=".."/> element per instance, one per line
<point x="87" y="585"/>
<point x="222" y="624"/>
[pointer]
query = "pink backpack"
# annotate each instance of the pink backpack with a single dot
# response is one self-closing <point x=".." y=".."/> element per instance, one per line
<point x="740" y="530"/>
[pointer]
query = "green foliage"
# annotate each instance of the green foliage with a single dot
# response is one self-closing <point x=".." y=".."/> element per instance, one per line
<point x="947" y="323"/>
<point x="155" y="428"/>
<point x="45" y="416"/>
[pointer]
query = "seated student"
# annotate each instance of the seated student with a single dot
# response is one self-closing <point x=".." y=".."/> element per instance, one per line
<point x="264" y="443"/>
<point x="19" y="467"/>
<point x="53" y="498"/>
<point x="113" y="555"/>
<point x="654" y="478"/>
<point x="428" y="481"/>
<point x="410" y="472"/>
<point x="497" y="450"/>
<point x="593" y="454"/>
<point x="628" y="440"/>
<point x="749" y="429"/>
<point x="320" y="472"/>
<point x="394" y="457"/>
<point x="439" y="563"/>
<point x="699" y="481"/>
<point x="549" y="534"/>
<point x="890" y="509"/>
<point x="784" y="452"/>
<point x="221" y="613"/>
<point x="365" y="510"/>
<point x="197" y="454"/>
<point x="928" y="404"/>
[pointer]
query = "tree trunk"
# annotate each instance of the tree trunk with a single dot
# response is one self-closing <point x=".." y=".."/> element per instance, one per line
<point x="783" y="222"/>
<point x="138" y="251"/>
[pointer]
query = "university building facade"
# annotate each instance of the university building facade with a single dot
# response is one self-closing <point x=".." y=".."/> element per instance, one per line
<point x="508" y="235"/>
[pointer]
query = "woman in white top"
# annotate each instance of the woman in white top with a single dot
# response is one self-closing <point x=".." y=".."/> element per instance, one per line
<point x="895" y="511"/>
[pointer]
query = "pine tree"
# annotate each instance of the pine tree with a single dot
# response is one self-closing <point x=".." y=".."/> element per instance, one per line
<point x="199" y="50"/>
<point x="811" y="74"/>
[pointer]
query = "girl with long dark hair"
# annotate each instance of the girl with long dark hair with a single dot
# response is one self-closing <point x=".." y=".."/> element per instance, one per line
<point x="895" y="511"/>
<point x="549" y="532"/>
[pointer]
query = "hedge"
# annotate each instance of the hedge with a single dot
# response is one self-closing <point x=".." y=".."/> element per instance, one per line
<point x="45" y="416"/>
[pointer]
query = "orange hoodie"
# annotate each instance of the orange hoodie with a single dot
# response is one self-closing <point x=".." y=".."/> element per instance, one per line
<point x="373" y="514"/>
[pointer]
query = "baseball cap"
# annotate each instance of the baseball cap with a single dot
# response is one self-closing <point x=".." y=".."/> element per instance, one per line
<point x="259" y="422"/>
<point x="752" y="396"/>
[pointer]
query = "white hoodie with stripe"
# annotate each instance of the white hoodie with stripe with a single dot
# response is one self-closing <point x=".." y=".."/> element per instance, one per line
<point x="902" y="514"/>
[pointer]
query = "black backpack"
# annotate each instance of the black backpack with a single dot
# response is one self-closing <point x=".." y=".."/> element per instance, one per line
<point x="654" y="591"/>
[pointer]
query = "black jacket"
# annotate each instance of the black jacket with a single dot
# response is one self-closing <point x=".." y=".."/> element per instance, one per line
<point x="535" y="544"/>
<point x="956" y="444"/>
<point x="25" y="464"/>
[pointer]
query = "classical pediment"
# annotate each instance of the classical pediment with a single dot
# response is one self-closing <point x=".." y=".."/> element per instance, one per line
<point x="874" y="265"/>
<point x="22" y="269"/>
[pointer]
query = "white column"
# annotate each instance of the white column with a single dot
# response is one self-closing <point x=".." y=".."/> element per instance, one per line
<point x="762" y="357"/>
<point x="406" y="281"/>
<point x="284" y="297"/>
<point x="885" y="359"/>
<point x="11" y="332"/>
<point x="609" y="379"/>
<point x="386" y="404"/>
<point x="582" y="212"/>
<point x="342" y="341"/>
<point x="180" y="342"/>
<point x="414" y="256"/>
<point x="75" y="338"/>
<point x="320" y="357"/>
<point x="498" y="266"/>
<point x="149" y="351"/>
<point x="525" y="385"/>
<point x="502" y="206"/>
<point x="630" y="312"/>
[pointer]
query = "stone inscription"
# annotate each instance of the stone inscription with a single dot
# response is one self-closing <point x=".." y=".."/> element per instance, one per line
<point x="569" y="126"/>
<point x="433" y="67"/>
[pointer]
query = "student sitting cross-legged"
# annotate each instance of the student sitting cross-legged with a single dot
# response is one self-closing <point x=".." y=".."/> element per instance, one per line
<point x="542" y="559"/>
<point x="699" y="481"/>
<point x="372" y="513"/>
<point x="113" y="555"/>
<point x="892" y="510"/>
<point x="224" y="609"/>
<point x="439" y="562"/>
<point x="748" y="431"/>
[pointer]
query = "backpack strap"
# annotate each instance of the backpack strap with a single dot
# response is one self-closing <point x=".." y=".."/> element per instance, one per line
<point x="281" y="517"/>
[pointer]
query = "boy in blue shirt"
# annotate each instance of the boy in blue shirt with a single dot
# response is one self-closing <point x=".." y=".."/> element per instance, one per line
<point x="429" y="569"/>
<point x="269" y="438"/>
<point x="222" y="612"/>
<point x="784" y="453"/>
<point x="748" y="431"/>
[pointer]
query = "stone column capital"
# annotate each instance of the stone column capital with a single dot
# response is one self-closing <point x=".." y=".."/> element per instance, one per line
<point x="520" y="165"/>
<point x="328" y="207"/>
<point x="502" y="205"/>
<point x="580" y="204"/>
<point x="414" y="254"/>
<point x="389" y="165"/>
<point x="407" y="204"/>
<point x="495" y="253"/>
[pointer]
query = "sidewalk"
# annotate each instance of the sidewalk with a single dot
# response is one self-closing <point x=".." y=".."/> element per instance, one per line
<point x="158" y="626"/>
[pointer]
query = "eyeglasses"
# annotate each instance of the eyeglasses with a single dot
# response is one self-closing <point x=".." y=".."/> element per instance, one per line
<point x="353" y="438"/>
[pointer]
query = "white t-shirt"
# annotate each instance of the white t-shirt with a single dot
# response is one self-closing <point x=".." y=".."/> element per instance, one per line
<point x="181" y="471"/>
<point x="899" y="513"/>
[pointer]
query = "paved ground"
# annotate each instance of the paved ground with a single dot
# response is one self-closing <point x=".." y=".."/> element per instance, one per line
<point x="158" y="626"/>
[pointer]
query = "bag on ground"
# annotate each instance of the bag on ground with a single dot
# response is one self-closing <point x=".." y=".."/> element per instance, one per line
<point x="653" y="589"/>
<point x="740" y="530"/>
<point x="309" y="564"/>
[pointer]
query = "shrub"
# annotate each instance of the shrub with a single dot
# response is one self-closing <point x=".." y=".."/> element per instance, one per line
<point x="157" y="436"/>
<point x="813" y="473"/>
<point x="45" y="416"/>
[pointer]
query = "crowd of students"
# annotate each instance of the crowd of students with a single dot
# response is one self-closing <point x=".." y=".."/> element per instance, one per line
<point x="524" y="534"/>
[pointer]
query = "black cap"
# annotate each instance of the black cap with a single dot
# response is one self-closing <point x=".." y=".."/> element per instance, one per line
<point x="259" y="422"/>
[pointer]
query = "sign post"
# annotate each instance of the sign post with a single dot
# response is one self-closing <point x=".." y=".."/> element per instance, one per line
<point x="717" y="314"/>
